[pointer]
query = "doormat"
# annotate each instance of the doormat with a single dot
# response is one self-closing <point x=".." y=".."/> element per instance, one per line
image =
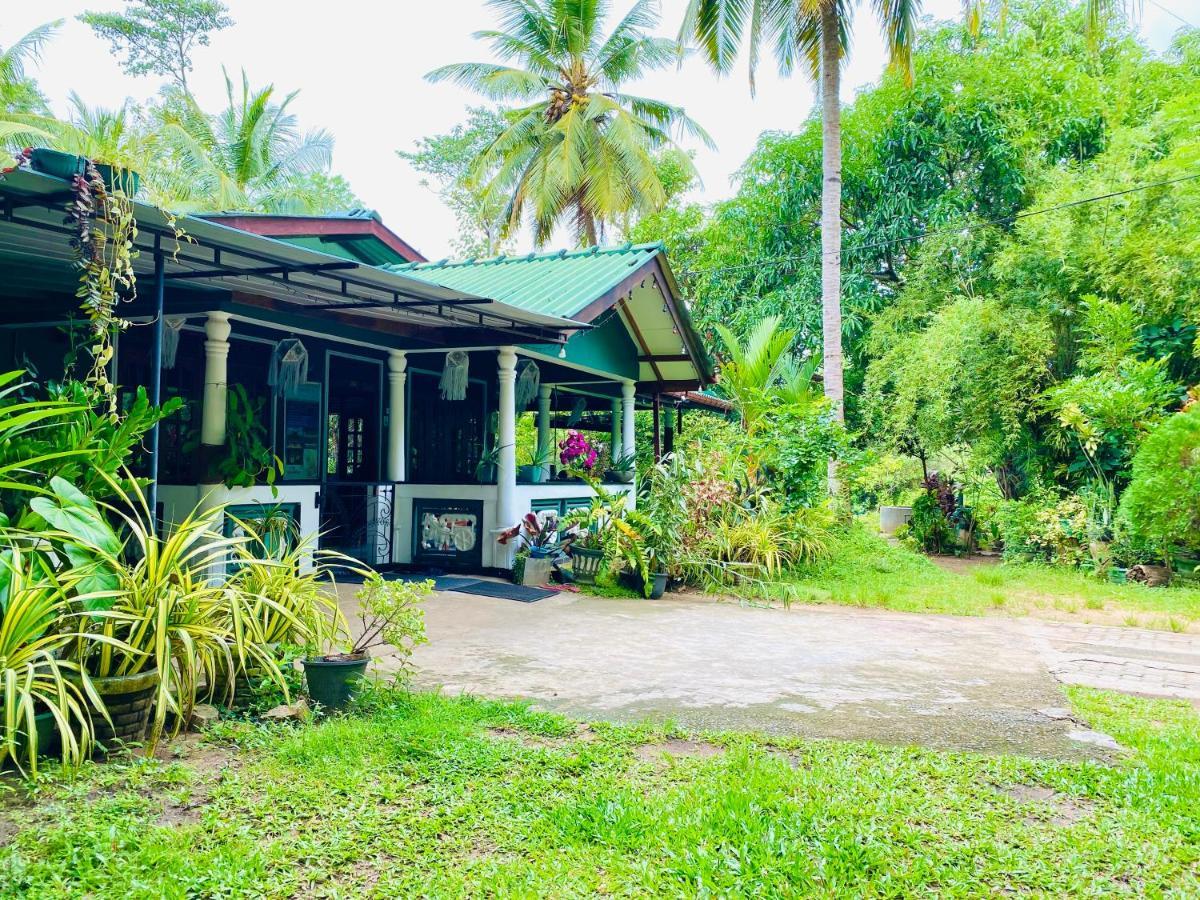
<point x="505" y="591"/>
<point x="440" y="582"/>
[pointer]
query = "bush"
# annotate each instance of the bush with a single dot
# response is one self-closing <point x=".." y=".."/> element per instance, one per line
<point x="1162" y="502"/>
<point x="928" y="528"/>
<point x="1044" y="529"/>
<point x="885" y="479"/>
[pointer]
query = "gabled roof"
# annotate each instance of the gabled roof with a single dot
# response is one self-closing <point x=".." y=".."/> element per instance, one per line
<point x="584" y="284"/>
<point x="357" y="234"/>
<point x="562" y="283"/>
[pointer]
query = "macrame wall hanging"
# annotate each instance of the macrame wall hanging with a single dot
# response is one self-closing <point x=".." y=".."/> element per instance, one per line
<point x="172" y="326"/>
<point x="529" y="379"/>
<point x="289" y="367"/>
<point x="577" y="412"/>
<point x="454" y="376"/>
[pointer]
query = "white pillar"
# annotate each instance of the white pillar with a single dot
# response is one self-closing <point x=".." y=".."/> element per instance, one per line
<point x="543" y="430"/>
<point x="397" y="376"/>
<point x="628" y="390"/>
<point x="615" y="439"/>
<point x="216" y="375"/>
<point x="506" y="464"/>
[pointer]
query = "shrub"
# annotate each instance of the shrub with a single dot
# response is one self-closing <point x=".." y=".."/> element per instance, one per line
<point x="1044" y="528"/>
<point x="1162" y="502"/>
<point x="929" y="528"/>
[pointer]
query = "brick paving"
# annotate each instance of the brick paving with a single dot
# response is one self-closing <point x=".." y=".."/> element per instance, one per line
<point x="1131" y="660"/>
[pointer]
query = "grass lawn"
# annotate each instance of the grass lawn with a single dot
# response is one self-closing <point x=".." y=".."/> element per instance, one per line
<point x="420" y="795"/>
<point x="866" y="570"/>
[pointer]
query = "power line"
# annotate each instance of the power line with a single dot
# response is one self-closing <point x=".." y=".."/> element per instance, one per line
<point x="1171" y="12"/>
<point x="963" y="227"/>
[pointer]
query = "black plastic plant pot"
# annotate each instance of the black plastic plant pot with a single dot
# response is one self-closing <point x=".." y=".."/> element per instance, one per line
<point x="333" y="681"/>
<point x="47" y="738"/>
<point x="658" y="586"/>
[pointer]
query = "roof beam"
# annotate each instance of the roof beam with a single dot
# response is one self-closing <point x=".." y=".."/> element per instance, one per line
<point x="308" y="268"/>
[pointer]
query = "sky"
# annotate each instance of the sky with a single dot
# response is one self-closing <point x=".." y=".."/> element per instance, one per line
<point x="359" y="68"/>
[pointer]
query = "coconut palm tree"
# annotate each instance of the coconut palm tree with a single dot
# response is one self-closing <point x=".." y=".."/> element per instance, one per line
<point x="813" y="34"/>
<point x="18" y="93"/>
<point x="575" y="145"/>
<point x="20" y="99"/>
<point x="246" y="157"/>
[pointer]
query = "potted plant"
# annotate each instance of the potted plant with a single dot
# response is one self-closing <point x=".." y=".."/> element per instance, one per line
<point x="535" y="470"/>
<point x="274" y="601"/>
<point x="159" y="626"/>
<point x="587" y="533"/>
<point x="621" y="468"/>
<point x="536" y="539"/>
<point x="390" y="614"/>
<point x="44" y="699"/>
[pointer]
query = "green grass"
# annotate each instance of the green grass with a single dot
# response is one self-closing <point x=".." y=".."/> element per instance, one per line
<point x="415" y="796"/>
<point x="865" y="570"/>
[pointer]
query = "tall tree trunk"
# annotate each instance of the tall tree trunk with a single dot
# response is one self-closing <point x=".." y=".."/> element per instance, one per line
<point x="831" y="217"/>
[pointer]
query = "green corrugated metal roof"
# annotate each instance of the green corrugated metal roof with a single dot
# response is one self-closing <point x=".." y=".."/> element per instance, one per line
<point x="557" y="284"/>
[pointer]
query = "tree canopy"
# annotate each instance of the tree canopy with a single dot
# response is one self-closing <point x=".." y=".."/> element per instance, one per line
<point x="576" y="147"/>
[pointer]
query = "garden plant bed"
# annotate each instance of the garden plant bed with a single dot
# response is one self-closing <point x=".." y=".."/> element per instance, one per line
<point x="419" y="794"/>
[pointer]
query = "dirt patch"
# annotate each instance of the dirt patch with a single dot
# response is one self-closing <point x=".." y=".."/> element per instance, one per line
<point x="677" y="749"/>
<point x="964" y="565"/>
<point x="1063" y="811"/>
<point x="194" y="752"/>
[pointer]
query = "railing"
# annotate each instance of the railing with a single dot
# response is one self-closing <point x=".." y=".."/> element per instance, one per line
<point x="357" y="519"/>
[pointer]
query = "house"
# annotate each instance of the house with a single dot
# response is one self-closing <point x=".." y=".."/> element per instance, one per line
<point x="390" y="389"/>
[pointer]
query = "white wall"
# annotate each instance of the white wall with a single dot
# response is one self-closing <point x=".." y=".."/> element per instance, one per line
<point x="179" y="500"/>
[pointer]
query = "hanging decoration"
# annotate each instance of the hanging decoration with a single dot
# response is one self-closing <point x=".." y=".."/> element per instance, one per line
<point x="577" y="412"/>
<point x="454" y="376"/>
<point x="289" y="367"/>
<point x="172" y="326"/>
<point x="529" y="379"/>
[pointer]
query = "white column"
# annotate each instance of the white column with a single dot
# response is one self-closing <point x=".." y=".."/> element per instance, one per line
<point x="615" y="439"/>
<point x="216" y="374"/>
<point x="397" y="376"/>
<point x="543" y="429"/>
<point x="628" y="389"/>
<point x="506" y="464"/>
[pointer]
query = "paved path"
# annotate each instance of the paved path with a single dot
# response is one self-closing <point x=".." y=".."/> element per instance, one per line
<point x="990" y="684"/>
<point x="1132" y="660"/>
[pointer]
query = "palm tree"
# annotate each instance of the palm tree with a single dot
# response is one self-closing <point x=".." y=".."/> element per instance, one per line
<point x="20" y="99"/>
<point x="815" y="34"/>
<point x="249" y="156"/>
<point x="763" y="371"/>
<point x="18" y="93"/>
<point x="576" y="145"/>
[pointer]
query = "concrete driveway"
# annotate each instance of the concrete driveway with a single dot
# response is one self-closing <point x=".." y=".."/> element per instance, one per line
<point x="950" y="682"/>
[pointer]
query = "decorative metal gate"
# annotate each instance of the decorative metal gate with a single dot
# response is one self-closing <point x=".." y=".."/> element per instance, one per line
<point x="357" y="519"/>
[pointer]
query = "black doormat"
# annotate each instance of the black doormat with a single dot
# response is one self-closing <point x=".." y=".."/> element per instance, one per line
<point x="505" y="591"/>
<point x="440" y="582"/>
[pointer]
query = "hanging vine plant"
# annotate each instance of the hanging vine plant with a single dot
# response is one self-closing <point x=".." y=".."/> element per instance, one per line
<point x="104" y="229"/>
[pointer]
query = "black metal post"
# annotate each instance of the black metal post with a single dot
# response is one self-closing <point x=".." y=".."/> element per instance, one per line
<point x="156" y="378"/>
